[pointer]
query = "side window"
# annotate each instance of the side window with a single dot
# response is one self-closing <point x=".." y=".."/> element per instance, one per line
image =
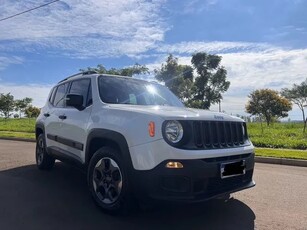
<point x="52" y="95"/>
<point x="82" y="87"/>
<point x="59" y="98"/>
<point x="89" y="96"/>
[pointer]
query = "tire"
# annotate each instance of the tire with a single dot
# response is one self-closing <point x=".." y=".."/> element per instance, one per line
<point x="108" y="182"/>
<point x="43" y="160"/>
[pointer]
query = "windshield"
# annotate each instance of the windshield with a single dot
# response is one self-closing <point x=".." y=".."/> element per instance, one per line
<point x="116" y="90"/>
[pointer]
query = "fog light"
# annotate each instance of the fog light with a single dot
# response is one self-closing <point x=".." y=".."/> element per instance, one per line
<point x="174" y="165"/>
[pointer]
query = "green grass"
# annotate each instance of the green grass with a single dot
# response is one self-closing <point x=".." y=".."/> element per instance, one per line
<point x="282" y="153"/>
<point x="17" y="134"/>
<point x="18" y="125"/>
<point x="278" y="135"/>
<point x="21" y="128"/>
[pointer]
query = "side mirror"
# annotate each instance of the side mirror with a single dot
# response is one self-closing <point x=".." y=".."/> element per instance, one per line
<point x="75" y="100"/>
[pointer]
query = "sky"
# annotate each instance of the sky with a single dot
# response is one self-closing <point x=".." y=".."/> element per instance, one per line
<point x="263" y="43"/>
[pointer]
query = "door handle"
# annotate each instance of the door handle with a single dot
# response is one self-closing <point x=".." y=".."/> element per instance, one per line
<point x="46" y="114"/>
<point x="62" y="117"/>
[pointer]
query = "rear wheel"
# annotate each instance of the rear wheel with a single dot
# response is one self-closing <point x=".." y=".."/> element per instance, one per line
<point x="108" y="181"/>
<point x="43" y="160"/>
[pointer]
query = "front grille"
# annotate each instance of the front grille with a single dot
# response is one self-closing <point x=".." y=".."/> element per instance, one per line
<point x="226" y="158"/>
<point x="219" y="134"/>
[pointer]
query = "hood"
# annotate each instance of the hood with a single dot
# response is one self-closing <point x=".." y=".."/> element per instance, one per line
<point x="181" y="113"/>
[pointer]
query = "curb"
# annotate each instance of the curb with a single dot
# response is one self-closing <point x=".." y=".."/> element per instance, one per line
<point x="17" y="139"/>
<point x="266" y="160"/>
<point x="281" y="161"/>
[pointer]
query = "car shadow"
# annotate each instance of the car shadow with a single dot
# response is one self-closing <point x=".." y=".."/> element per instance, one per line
<point x="58" y="199"/>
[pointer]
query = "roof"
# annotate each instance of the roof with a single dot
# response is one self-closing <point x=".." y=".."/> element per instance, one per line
<point x="89" y="73"/>
<point x="79" y="74"/>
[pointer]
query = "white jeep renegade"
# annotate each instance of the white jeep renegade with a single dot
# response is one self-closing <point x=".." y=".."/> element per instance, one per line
<point x="136" y="139"/>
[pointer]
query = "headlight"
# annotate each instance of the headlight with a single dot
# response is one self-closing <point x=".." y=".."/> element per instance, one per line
<point x="173" y="131"/>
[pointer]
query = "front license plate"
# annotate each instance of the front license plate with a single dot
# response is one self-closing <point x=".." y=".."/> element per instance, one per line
<point x="230" y="169"/>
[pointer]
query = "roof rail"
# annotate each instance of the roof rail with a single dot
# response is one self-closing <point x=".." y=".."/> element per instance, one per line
<point x="81" y="73"/>
<point x="89" y="72"/>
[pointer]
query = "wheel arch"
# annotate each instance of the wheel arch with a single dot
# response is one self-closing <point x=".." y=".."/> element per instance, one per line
<point x="39" y="129"/>
<point x="98" y="138"/>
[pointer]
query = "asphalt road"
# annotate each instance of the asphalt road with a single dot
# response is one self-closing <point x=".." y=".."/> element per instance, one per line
<point x="31" y="199"/>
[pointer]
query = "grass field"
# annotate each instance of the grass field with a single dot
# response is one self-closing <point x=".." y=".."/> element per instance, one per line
<point x="280" y="135"/>
<point x="17" y="125"/>
<point x="282" y="153"/>
<point x="17" y="134"/>
<point x="21" y="128"/>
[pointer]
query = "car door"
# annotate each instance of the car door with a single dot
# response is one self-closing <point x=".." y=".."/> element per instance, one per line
<point x="52" y="113"/>
<point x="74" y="124"/>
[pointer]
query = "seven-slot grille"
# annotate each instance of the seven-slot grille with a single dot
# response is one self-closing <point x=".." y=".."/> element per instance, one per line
<point x="219" y="134"/>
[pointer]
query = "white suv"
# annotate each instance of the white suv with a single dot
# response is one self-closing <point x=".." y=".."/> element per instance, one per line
<point x="136" y="139"/>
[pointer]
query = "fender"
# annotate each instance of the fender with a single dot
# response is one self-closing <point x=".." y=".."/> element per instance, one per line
<point x="39" y="125"/>
<point x="108" y="135"/>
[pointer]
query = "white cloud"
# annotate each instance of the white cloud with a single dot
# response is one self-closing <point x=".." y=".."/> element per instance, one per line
<point x="84" y="27"/>
<point x="39" y="93"/>
<point x="212" y="47"/>
<point x="269" y="69"/>
<point x="6" y="61"/>
<point x="197" y="6"/>
<point x="275" y="69"/>
<point x="250" y="66"/>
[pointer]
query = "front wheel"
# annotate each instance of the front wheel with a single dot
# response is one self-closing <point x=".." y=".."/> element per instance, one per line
<point x="108" y="181"/>
<point x="43" y="160"/>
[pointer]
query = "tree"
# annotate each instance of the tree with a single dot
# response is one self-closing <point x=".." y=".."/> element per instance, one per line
<point x="269" y="104"/>
<point x="298" y="95"/>
<point x="6" y="104"/>
<point x="32" y="111"/>
<point x="199" y="91"/>
<point x="211" y="80"/>
<point x="21" y="105"/>
<point x="178" y="78"/>
<point x="136" y="69"/>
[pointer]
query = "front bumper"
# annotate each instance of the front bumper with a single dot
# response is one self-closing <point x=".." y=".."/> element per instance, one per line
<point x="198" y="180"/>
<point x="147" y="156"/>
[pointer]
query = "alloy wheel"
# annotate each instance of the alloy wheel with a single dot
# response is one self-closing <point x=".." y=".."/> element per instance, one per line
<point x="107" y="180"/>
